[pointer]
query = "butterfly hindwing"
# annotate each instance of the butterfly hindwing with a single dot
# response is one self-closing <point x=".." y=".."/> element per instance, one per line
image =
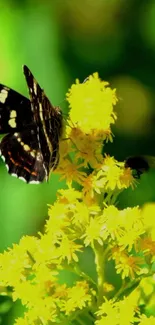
<point x="22" y="156"/>
<point x="15" y="111"/>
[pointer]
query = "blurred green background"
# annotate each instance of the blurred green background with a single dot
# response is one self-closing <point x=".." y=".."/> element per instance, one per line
<point x="63" y="40"/>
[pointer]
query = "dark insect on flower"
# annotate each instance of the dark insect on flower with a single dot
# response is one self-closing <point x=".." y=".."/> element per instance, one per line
<point x="34" y="127"/>
<point x="140" y="164"/>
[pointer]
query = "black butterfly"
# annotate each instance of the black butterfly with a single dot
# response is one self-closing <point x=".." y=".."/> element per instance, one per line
<point x="34" y="127"/>
<point x="140" y="164"/>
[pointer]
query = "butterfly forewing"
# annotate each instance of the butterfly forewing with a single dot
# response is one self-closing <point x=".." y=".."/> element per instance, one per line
<point x="49" y="121"/>
<point x="15" y="111"/>
<point x="31" y="149"/>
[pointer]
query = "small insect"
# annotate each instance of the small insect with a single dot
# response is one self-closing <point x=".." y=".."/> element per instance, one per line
<point x="140" y="164"/>
<point x="34" y="127"/>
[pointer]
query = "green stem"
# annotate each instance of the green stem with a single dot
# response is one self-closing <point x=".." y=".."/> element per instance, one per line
<point x="76" y="269"/>
<point x="123" y="291"/>
<point x="88" y="318"/>
<point x="84" y="275"/>
<point x="91" y="316"/>
<point x="100" y="269"/>
<point x="80" y="321"/>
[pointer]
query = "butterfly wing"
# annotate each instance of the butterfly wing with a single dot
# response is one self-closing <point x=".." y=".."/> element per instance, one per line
<point x="48" y="120"/>
<point x="31" y="148"/>
<point x="22" y="156"/>
<point x="15" y="111"/>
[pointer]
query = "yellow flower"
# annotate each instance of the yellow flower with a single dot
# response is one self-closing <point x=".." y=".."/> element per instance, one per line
<point x="118" y="313"/>
<point x="124" y="227"/>
<point x="128" y="309"/>
<point x="133" y="228"/>
<point x="15" y="263"/>
<point x="147" y="287"/>
<point x="71" y="172"/>
<point x="68" y="249"/>
<point x="31" y="271"/>
<point x="127" y="179"/>
<point x="108" y="287"/>
<point x="93" y="187"/>
<point x="107" y="313"/>
<point x="28" y="243"/>
<point x="91" y="105"/>
<point x="110" y="175"/>
<point x="22" y="321"/>
<point x="128" y="266"/>
<point x="90" y="151"/>
<point x="92" y="232"/>
<point x="64" y="148"/>
<point x="111" y="172"/>
<point x="58" y="220"/>
<point x="81" y="216"/>
<point x="61" y="291"/>
<point x="78" y="297"/>
<point x="86" y="146"/>
<point x="110" y="223"/>
<point x="144" y="320"/>
<point x="148" y="216"/>
<point x="88" y="190"/>
<point x="148" y="246"/>
<point x="43" y="312"/>
<point x="68" y="195"/>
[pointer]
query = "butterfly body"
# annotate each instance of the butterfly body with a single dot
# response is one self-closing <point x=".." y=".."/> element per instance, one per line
<point x="31" y="147"/>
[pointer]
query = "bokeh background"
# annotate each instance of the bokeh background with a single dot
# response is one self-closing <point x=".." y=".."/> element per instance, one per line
<point x="63" y="40"/>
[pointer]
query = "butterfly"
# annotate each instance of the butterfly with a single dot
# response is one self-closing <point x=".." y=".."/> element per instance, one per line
<point x="33" y="127"/>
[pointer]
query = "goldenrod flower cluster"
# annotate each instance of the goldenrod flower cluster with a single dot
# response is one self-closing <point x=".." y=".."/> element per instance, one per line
<point x="83" y="216"/>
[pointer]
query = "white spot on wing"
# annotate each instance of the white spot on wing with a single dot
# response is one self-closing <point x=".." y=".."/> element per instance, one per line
<point x="12" y="122"/>
<point x="7" y="167"/>
<point x="40" y="150"/>
<point x="35" y="88"/>
<point x="13" y="114"/>
<point x="3" y="158"/>
<point x="3" y="95"/>
<point x="14" y="175"/>
<point x="22" y="179"/>
<point x="26" y="147"/>
<point x="34" y="182"/>
<point x="33" y="153"/>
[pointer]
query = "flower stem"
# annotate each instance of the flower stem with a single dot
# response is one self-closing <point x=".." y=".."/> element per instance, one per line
<point x="80" y="321"/>
<point x="100" y="269"/>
